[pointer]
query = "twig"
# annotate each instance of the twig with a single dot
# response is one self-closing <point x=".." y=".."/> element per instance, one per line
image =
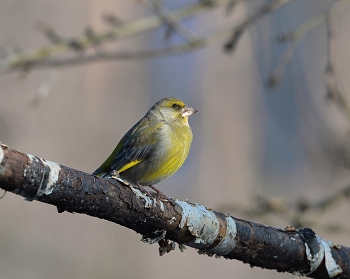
<point x="32" y="58"/>
<point x="334" y="86"/>
<point x="46" y="86"/>
<point x="42" y="60"/>
<point x="50" y="33"/>
<point x="171" y="21"/>
<point x="238" y="31"/>
<point x="283" y="62"/>
<point x="294" y="38"/>
<point x="299" y="213"/>
<point x="332" y="200"/>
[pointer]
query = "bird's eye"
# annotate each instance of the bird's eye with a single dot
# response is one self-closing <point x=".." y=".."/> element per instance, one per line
<point x="176" y="106"/>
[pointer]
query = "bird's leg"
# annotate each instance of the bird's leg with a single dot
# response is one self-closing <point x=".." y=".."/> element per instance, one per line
<point x="161" y="194"/>
<point x="114" y="174"/>
<point x="142" y="189"/>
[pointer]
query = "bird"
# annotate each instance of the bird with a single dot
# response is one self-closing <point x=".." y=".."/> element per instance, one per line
<point x="154" y="148"/>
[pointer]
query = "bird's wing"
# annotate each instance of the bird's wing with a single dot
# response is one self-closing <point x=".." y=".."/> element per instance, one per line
<point x="132" y="149"/>
<point x="137" y="147"/>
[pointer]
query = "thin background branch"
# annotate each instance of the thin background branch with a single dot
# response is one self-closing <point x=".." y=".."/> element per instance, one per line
<point x="294" y="37"/>
<point x="46" y="57"/>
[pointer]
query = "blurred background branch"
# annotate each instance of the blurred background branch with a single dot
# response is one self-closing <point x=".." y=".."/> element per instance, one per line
<point x="45" y="56"/>
<point x="302" y="212"/>
<point x="78" y="48"/>
<point x="88" y="48"/>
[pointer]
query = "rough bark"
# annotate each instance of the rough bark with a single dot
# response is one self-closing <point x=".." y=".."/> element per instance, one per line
<point x="212" y="233"/>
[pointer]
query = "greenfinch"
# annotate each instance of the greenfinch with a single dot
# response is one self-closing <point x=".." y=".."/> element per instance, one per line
<point x="154" y="148"/>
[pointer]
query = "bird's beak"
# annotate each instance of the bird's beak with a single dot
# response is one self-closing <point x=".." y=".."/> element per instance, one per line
<point x="188" y="111"/>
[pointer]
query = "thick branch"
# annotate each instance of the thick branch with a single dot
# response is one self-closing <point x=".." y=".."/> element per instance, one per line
<point x="189" y="224"/>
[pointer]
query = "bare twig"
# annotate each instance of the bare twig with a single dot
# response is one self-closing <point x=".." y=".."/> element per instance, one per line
<point x="171" y="21"/>
<point x="282" y="64"/>
<point x="112" y="19"/>
<point x="32" y="58"/>
<point x="50" y="33"/>
<point x="238" y="31"/>
<point x="42" y="58"/>
<point x="331" y="201"/>
<point x="46" y="86"/>
<point x="299" y="213"/>
<point x="334" y="87"/>
<point x="294" y="38"/>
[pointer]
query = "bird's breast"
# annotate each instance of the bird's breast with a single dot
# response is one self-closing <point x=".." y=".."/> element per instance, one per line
<point x="171" y="152"/>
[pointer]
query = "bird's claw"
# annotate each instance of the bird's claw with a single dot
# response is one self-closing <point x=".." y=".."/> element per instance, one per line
<point x="114" y="174"/>
<point x="163" y="197"/>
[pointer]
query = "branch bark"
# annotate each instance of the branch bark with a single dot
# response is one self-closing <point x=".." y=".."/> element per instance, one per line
<point x="193" y="225"/>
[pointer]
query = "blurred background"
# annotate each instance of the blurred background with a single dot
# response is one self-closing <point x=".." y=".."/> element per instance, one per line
<point x="284" y="143"/>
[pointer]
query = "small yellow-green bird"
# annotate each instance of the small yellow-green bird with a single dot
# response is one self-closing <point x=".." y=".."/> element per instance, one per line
<point x="154" y="148"/>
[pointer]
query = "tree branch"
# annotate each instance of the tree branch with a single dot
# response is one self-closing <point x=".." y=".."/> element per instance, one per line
<point x="31" y="58"/>
<point x="51" y="56"/>
<point x="193" y="225"/>
<point x="171" y="21"/>
<point x="335" y="89"/>
<point x="294" y="37"/>
<point x="300" y="212"/>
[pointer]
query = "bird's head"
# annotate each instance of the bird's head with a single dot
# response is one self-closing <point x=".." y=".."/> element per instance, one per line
<point x="174" y="109"/>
